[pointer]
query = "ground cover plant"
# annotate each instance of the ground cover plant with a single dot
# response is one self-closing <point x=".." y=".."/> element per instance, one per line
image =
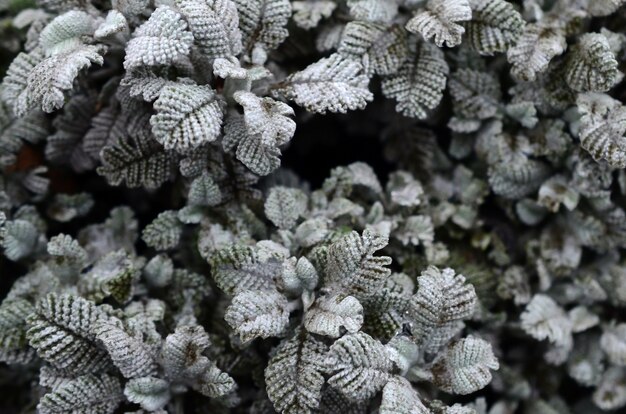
<point x="320" y="206"/>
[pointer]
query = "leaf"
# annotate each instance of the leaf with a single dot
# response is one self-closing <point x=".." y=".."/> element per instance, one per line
<point x="215" y="26"/>
<point x="137" y="159"/>
<point x="377" y="11"/>
<point x="494" y="27"/>
<point x="543" y="319"/>
<point x="293" y="375"/>
<point x="267" y="118"/>
<point x="442" y="301"/>
<point x="260" y="158"/>
<point x="464" y="368"/>
<point x="258" y="314"/>
<point x="535" y="48"/>
<point x="358" y="365"/>
<point x="204" y="191"/>
<point x="160" y="40"/>
<point x="611" y="393"/>
<point x="61" y="330"/>
<point x="65" y="32"/>
<point x="93" y="394"/>
<point x="184" y="362"/>
<point x="307" y="14"/>
<point x="440" y="21"/>
<point x="330" y="314"/>
<point x="604" y="7"/>
<point x="602" y="128"/>
<point x="164" y="232"/>
<point x="149" y="392"/>
<point x="129" y="354"/>
<point x="239" y="268"/>
<point x="419" y="83"/>
<point x="19" y="239"/>
<point x="353" y="267"/>
<point x="187" y="116"/>
<point x="263" y="26"/>
<point x="475" y="94"/>
<point x="380" y="49"/>
<point x="284" y="206"/>
<point x="44" y="81"/>
<point x="613" y="343"/>
<point x="332" y="84"/>
<point x="592" y="66"/>
<point x="399" y="397"/>
<point x="13" y="342"/>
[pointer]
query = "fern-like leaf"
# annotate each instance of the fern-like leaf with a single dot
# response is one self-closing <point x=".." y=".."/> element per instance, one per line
<point x="440" y="21"/>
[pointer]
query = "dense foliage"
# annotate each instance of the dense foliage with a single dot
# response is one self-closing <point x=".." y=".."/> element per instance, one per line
<point x="442" y="235"/>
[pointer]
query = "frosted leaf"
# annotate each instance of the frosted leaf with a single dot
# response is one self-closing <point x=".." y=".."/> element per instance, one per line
<point x="514" y="283"/>
<point x="260" y="158"/>
<point x="187" y="116"/>
<point x="352" y="266"/>
<point x="215" y="26"/>
<point x="69" y="256"/>
<point x="263" y="26"/>
<point x="613" y="343"/>
<point x="380" y="11"/>
<point x="399" y="397"/>
<point x="404" y="190"/>
<point x="229" y="68"/>
<point x="182" y="351"/>
<point x="602" y="128"/>
<point x="48" y="81"/>
<point x="592" y="67"/>
<point x="239" y="268"/>
<point x="604" y="7"/>
<point x="138" y="160"/>
<point x="332" y="84"/>
<point x="257" y="314"/>
<point x="582" y="319"/>
<point x="66" y="207"/>
<point x="517" y="177"/>
<point x="586" y="362"/>
<point x="149" y="392"/>
<point x="164" y="232"/>
<point x="329" y="316"/>
<point x="416" y="230"/>
<point x="65" y="32"/>
<point x="204" y="191"/>
<point x="464" y="368"/>
<point x="440" y="21"/>
<point x="284" y="206"/>
<point x="147" y="83"/>
<point x="311" y="232"/>
<point x="129" y="354"/>
<point x="299" y="275"/>
<point x="19" y="239"/>
<point x="107" y="126"/>
<point x="355" y="178"/>
<point x="543" y="319"/>
<point x="475" y="94"/>
<point x="184" y="362"/>
<point x="534" y="50"/>
<point x="159" y="41"/>
<point x="359" y="366"/>
<point x="294" y="375"/>
<point x="611" y="393"/>
<point x="442" y="301"/>
<point x="380" y="49"/>
<point x="419" y="83"/>
<point x="115" y="23"/>
<point x="94" y="394"/>
<point x="494" y="27"/>
<point x="61" y="331"/>
<point x="13" y="341"/>
<point x="267" y="118"/>
<point x="15" y="83"/>
<point x="307" y="14"/>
